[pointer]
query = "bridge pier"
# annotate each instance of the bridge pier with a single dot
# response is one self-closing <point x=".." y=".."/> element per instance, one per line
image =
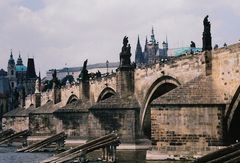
<point x="109" y="153"/>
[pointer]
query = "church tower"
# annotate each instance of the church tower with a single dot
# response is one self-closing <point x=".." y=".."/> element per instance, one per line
<point x="31" y="76"/>
<point x="165" y="47"/>
<point x="151" y="49"/>
<point x="139" y="58"/>
<point x="12" y="72"/>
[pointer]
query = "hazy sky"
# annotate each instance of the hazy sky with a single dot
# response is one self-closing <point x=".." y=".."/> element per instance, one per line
<point x="59" y="32"/>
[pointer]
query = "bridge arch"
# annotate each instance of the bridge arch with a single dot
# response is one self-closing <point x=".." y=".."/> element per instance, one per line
<point x="232" y="118"/>
<point x="72" y="98"/>
<point x="106" y="93"/>
<point x="159" y="87"/>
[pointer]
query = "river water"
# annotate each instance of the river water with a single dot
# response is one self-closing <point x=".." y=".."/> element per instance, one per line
<point x="8" y="155"/>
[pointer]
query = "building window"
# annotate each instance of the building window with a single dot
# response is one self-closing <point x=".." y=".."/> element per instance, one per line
<point x="12" y="84"/>
<point x="12" y="72"/>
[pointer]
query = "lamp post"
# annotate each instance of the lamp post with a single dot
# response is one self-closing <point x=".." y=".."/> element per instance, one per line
<point x="107" y="66"/>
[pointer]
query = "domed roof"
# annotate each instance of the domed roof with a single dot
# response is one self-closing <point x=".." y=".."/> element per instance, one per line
<point x="21" y="68"/>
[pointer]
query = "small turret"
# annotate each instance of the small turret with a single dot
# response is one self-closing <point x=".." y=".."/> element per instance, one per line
<point x="165" y="47"/>
<point x="19" y="61"/>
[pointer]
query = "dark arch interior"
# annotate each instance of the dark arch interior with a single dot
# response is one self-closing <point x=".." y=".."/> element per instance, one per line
<point x="161" y="90"/>
<point x="72" y="100"/>
<point x="234" y="129"/>
<point x="107" y="95"/>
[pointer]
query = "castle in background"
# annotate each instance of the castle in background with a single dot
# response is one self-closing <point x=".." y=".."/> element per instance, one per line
<point x="19" y="79"/>
<point x="152" y="52"/>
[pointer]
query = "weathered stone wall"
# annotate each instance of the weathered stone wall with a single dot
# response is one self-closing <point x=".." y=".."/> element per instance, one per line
<point x="183" y="70"/>
<point x="3" y="108"/>
<point x="125" y="82"/>
<point x="98" y="85"/>
<point x="43" y="124"/>
<point x="226" y="70"/>
<point x="67" y="91"/>
<point x="75" y="125"/>
<point x="16" y="123"/>
<point x="190" y="129"/>
<point x="102" y="122"/>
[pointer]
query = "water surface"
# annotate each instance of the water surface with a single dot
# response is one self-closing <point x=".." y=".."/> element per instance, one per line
<point x="8" y="155"/>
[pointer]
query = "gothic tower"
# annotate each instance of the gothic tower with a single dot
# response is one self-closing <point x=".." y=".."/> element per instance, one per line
<point x="151" y="49"/>
<point x="12" y="72"/>
<point x="139" y="58"/>
<point x="30" y="76"/>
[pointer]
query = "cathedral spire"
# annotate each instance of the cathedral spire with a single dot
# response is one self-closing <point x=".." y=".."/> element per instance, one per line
<point x="139" y="59"/>
<point x="153" y="37"/>
<point x="11" y="56"/>
<point x="152" y="31"/>
<point x="138" y="42"/>
<point x="11" y="60"/>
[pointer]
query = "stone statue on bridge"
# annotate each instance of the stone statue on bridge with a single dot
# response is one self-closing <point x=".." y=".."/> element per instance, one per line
<point x="84" y="76"/>
<point x="207" y="38"/>
<point x="193" y="45"/>
<point x="125" y="54"/>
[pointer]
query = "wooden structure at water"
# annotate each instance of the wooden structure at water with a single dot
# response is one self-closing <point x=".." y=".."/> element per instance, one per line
<point x="5" y="133"/>
<point x="107" y="143"/>
<point x="230" y="154"/>
<point x="58" y="139"/>
<point x="10" y="138"/>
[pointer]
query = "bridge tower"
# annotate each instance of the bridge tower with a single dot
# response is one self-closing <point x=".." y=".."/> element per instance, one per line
<point x="125" y="74"/>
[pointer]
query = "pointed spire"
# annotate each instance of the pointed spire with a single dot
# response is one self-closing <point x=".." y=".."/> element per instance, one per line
<point x="19" y="60"/>
<point x="11" y="60"/>
<point x="152" y="31"/>
<point x="40" y="81"/>
<point x="138" y="40"/>
<point x="11" y="55"/>
<point x="153" y="37"/>
<point x="166" y="39"/>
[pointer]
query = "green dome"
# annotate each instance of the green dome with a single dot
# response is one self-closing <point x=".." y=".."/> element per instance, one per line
<point x="20" y="68"/>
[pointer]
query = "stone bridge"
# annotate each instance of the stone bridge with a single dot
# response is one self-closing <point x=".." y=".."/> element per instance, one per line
<point x="155" y="80"/>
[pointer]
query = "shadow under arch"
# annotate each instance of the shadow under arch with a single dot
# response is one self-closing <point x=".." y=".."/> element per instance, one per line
<point x="232" y="119"/>
<point x="158" y="88"/>
<point x="72" y="98"/>
<point x="106" y="93"/>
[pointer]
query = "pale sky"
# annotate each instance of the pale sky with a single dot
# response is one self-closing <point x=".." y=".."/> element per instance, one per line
<point x="59" y="32"/>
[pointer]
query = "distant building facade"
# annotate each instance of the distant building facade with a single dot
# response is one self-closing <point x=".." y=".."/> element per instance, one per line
<point x="75" y="71"/>
<point x="21" y="79"/>
<point x="152" y="52"/>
